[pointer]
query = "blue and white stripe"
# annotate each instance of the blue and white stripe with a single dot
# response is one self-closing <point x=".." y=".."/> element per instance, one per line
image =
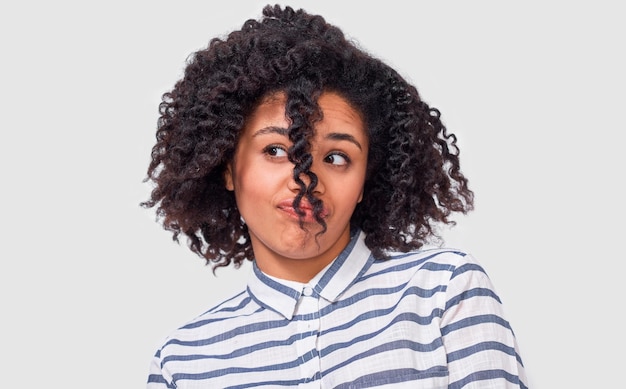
<point x="427" y="319"/>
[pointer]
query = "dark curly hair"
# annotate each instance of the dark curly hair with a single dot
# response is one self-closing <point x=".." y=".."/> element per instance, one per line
<point x="413" y="177"/>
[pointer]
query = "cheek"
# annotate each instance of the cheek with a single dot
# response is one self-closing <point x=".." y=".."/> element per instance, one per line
<point x="350" y="197"/>
<point x="253" y="183"/>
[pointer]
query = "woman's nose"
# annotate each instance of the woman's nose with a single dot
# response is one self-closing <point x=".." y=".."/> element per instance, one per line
<point x="307" y="180"/>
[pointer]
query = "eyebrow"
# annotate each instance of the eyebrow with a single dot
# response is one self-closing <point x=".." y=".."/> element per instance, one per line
<point x="344" y="136"/>
<point x="272" y="130"/>
<point x="332" y="136"/>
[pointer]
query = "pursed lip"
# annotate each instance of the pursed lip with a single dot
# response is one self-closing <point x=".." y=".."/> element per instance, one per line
<point x="287" y="207"/>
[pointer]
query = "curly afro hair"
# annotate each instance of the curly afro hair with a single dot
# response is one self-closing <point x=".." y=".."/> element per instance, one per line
<point x="413" y="176"/>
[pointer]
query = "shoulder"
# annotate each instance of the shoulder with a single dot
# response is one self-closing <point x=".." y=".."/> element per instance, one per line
<point x="212" y="322"/>
<point x="197" y="334"/>
<point x="442" y="268"/>
<point x="444" y="260"/>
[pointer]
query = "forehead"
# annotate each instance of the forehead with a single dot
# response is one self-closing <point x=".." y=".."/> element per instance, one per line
<point x="271" y="109"/>
<point x="271" y="112"/>
<point x="335" y="106"/>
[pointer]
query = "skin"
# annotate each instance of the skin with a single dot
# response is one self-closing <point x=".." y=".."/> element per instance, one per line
<point x="261" y="177"/>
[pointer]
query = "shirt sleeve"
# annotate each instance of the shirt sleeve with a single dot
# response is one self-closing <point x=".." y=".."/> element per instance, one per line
<point x="480" y="344"/>
<point x="156" y="378"/>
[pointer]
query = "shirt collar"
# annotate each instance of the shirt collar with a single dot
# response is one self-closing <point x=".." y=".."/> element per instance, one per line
<point x="281" y="297"/>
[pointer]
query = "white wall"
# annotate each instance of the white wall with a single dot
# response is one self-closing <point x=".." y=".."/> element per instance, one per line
<point x="91" y="285"/>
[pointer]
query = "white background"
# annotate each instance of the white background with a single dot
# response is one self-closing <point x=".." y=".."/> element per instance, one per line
<point x="90" y="284"/>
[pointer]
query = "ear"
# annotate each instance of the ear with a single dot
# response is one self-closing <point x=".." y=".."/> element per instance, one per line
<point x="228" y="177"/>
<point x="360" y="196"/>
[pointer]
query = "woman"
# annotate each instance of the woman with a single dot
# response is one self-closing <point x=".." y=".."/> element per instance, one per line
<point x="288" y="146"/>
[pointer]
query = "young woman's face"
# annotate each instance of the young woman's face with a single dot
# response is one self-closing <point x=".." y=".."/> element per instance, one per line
<point x="262" y="179"/>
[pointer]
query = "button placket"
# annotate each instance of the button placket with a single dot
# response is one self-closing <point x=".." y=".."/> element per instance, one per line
<point x="308" y="327"/>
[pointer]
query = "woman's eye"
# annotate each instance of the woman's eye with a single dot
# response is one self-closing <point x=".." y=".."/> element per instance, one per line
<point x="337" y="159"/>
<point x="275" y="151"/>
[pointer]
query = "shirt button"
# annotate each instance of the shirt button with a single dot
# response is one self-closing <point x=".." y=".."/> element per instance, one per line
<point x="307" y="291"/>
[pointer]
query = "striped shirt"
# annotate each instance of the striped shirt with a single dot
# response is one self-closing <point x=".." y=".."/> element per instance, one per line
<point x="425" y="319"/>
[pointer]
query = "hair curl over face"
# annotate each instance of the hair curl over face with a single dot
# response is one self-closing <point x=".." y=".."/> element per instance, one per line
<point x="413" y="175"/>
